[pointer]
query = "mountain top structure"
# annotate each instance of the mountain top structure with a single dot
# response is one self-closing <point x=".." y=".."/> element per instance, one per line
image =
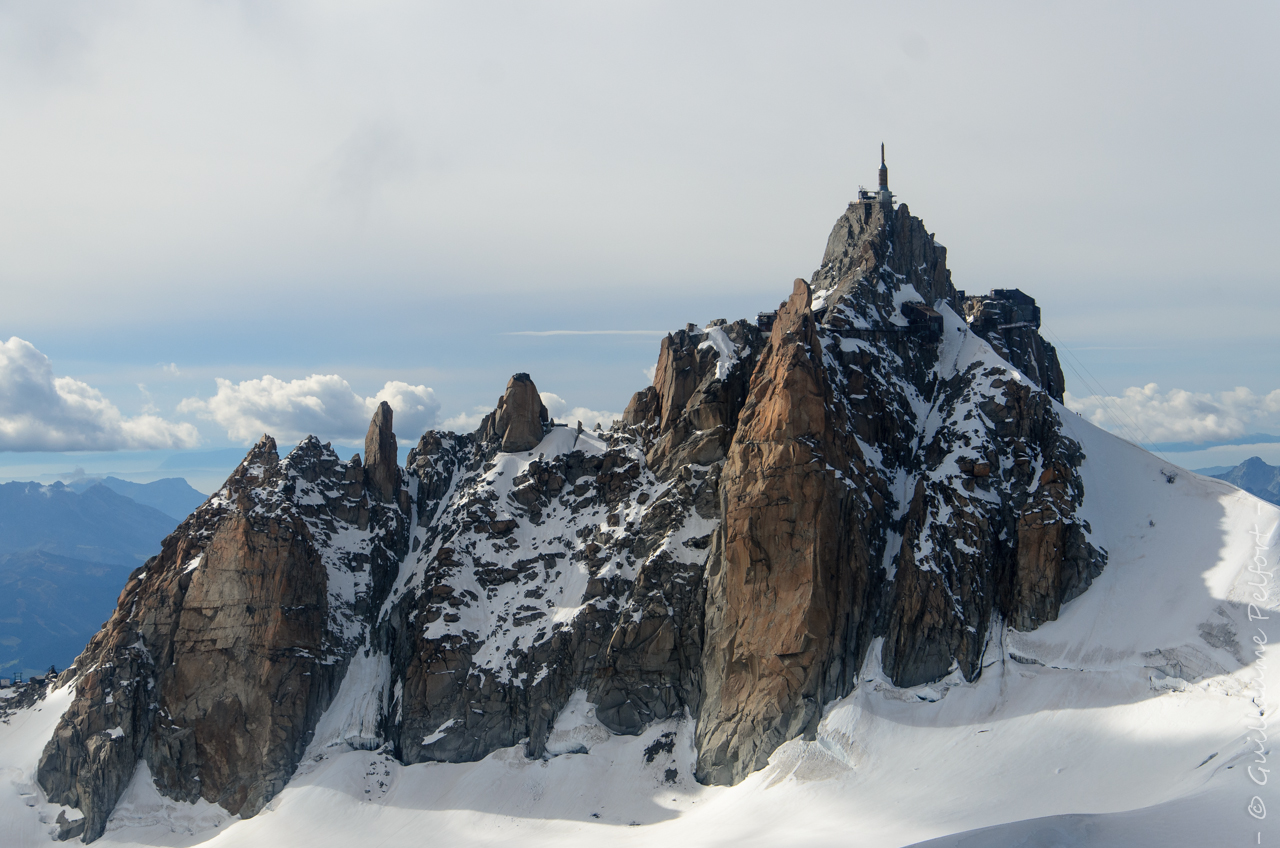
<point x="882" y="195"/>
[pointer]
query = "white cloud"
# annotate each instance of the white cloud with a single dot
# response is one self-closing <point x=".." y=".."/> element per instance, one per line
<point x="41" y="412"/>
<point x="149" y="407"/>
<point x="323" y="405"/>
<point x="466" y="422"/>
<point x="558" y="408"/>
<point x="416" y="408"/>
<point x="650" y="372"/>
<point x="1180" y="416"/>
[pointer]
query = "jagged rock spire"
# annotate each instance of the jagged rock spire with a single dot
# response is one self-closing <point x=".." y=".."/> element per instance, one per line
<point x="381" y="465"/>
<point x="519" y="417"/>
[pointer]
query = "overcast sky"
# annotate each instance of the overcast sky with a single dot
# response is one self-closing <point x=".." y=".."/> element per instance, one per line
<point x="217" y="218"/>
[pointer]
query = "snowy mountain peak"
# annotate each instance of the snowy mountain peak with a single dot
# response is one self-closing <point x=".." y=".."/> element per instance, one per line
<point x="870" y="496"/>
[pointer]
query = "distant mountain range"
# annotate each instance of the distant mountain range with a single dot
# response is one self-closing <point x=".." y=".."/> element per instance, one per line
<point x="65" y="553"/>
<point x="172" y="495"/>
<point x="1253" y="475"/>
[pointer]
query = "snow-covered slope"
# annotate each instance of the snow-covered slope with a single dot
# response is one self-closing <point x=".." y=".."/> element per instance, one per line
<point x="1124" y="722"/>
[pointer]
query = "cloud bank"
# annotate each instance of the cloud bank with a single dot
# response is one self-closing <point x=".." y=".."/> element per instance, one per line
<point x="1179" y="415"/>
<point x="41" y="412"/>
<point x="466" y="422"/>
<point x="559" y="409"/>
<point x="323" y="405"/>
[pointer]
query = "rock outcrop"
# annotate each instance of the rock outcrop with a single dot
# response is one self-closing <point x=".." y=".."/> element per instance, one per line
<point x="873" y="475"/>
<point x="1010" y="321"/>
<point x="381" y="460"/>
<point x="690" y="412"/>
<point x="520" y="418"/>
<point x="248" y="652"/>
<point x="226" y="647"/>
<point x="788" y="581"/>
<point x="578" y="570"/>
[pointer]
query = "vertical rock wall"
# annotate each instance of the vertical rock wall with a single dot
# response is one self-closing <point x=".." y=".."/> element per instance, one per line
<point x="247" y="680"/>
<point x="226" y="648"/>
<point x="887" y="478"/>
<point x="519" y="420"/>
<point x="790" y="580"/>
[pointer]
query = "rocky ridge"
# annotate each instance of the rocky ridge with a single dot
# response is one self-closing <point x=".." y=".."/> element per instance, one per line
<point x="863" y="477"/>
<point x="893" y="481"/>
<point x="227" y="646"/>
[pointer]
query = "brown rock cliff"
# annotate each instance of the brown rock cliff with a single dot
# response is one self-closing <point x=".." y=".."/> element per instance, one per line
<point x="790" y="579"/>
<point x="381" y="462"/>
<point x="225" y="648"/>
<point x="519" y="420"/>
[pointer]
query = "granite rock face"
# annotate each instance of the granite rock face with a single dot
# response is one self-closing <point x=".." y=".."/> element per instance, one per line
<point x="381" y="460"/>
<point x="248" y="653"/>
<point x="699" y="387"/>
<point x="1010" y="320"/>
<point x="226" y="647"/>
<point x="519" y="419"/>
<point x="788" y="581"/>
<point x="892" y="476"/>
<point x="865" y="485"/>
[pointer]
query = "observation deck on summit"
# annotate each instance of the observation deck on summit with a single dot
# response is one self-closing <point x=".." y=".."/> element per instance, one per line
<point x="883" y="195"/>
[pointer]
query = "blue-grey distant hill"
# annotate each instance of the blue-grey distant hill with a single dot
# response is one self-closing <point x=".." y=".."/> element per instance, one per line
<point x="1254" y="476"/>
<point x="64" y="557"/>
<point x="173" y="495"/>
<point x="96" y="525"/>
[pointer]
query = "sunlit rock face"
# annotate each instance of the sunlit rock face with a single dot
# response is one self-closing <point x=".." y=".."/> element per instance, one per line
<point x="226" y="648"/>
<point x="517" y="423"/>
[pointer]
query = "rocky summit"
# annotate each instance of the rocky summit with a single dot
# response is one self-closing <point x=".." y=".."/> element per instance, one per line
<point x="874" y="474"/>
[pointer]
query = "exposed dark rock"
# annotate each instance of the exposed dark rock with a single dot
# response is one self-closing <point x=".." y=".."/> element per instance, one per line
<point x="689" y="414"/>
<point x="634" y="646"/>
<point x="227" y="646"/>
<point x="248" y="652"/>
<point x="25" y="693"/>
<point x="68" y="829"/>
<point x="1009" y="320"/>
<point x="381" y="462"/>
<point x="520" y="418"/>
